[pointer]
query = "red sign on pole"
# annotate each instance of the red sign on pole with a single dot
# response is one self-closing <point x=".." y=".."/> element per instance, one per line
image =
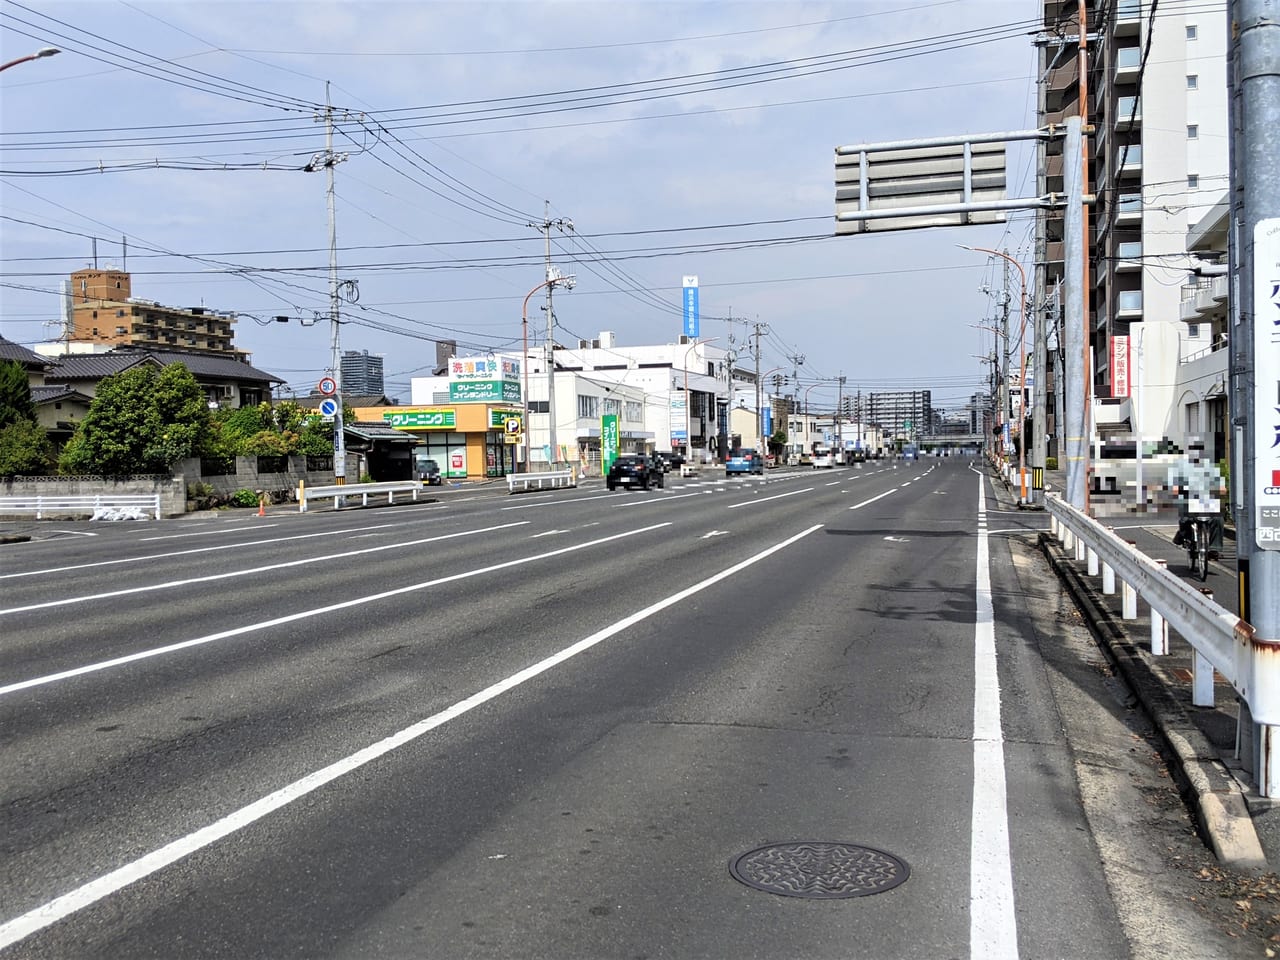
<point x="1119" y="366"/>
<point x="327" y="386"/>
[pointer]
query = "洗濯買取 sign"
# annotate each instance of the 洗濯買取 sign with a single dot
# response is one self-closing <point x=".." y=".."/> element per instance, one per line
<point x="473" y="391"/>
<point x="422" y="419"/>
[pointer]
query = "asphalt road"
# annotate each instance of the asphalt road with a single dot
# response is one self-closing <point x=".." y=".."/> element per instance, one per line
<point x="541" y="726"/>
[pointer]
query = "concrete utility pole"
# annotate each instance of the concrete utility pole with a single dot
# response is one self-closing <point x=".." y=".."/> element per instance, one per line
<point x="760" y="329"/>
<point x="553" y="274"/>
<point x="1253" y="70"/>
<point x="1075" y="273"/>
<point x="840" y="417"/>
<point x="329" y="160"/>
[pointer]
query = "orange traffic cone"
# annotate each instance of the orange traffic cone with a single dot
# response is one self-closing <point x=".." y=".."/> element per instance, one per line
<point x="262" y="505"/>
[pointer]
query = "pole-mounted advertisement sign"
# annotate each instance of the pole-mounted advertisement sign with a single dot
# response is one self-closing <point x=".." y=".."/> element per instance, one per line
<point x="691" y="307"/>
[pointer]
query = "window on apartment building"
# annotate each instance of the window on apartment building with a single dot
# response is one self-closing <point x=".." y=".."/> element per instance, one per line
<point x="95" y="314"/>
<point x="633" y="412"/>
<point x="1193" y="131"/>
<point x="121" y="331"/>
<point x="539" y="406"/>
<point x="613" y="406"/>
<point x="588" y="407"/>
<point x="1191" y="31"/>
<point x="1193" y="181"/>
<point x="1193" y="82"/>
<point x="1193" y="330"/>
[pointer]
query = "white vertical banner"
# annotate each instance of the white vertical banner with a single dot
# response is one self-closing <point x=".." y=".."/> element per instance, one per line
<point x="1266" y="382"/>
<point x="1119" y="366"/>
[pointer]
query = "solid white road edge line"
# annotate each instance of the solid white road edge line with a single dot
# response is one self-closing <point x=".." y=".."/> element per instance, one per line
<point x="314" y="612"/>
<point x="49" y="913"/>
<point x="251" y="571"/>
<point x="993" y="929"/>
<point x="195" y="550"/>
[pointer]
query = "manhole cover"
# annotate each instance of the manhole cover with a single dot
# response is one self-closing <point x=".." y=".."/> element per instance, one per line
<point x="818" y="870"/>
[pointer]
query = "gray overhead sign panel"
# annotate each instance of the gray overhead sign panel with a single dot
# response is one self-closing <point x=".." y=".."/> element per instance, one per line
<point x="932" y="185"/>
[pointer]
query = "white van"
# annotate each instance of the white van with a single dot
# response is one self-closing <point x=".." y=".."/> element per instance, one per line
<point x="823" y="457"/>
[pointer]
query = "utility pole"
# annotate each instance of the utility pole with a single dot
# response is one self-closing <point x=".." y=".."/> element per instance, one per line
<point x="553" y="274"/>
<point x="328" y="160"/>
<point x="840" y="417"/>
<point x="760" y="330"/>
<point x="1253" y="74"/>
<point x="1006" y="405"/>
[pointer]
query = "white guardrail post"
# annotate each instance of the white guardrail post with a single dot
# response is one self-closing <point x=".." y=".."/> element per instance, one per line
<point x="1220" y="640"/>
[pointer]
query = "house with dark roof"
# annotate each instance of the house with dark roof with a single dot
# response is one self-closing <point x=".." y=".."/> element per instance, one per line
<point x="227" y="380"/>
<point x="31" y="361"/>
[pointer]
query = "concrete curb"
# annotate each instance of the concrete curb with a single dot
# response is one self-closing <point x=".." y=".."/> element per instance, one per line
<point x="1214" y="794"/>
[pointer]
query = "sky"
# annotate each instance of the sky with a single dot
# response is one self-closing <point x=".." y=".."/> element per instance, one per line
<point x="674" y="138"/>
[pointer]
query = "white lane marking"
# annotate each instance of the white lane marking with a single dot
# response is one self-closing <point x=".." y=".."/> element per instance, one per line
<point x="993" y="929"/>
<point x="547" y="533"/>
<point x="832" y="483"/>
<point x="859" y="506"/>
<point x="713" y="533"/>
<point x="897" y="539"/>
<point x="907" y="484"/>
<point x="49" y="913"/>
<point x="75" y="533"/>
<point x="315" y="612"/>
<point x="556" y="503"/>
<point x="776" y="496"/>
<point x="666" y="499"/>
<point x="187" y="553"/>
<point x="253" y="571"/>
<point x="203" y="533"/>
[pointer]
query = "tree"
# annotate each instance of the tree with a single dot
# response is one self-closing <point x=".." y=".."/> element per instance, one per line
<point x="15" y="394"/>
<point x="140" y="421"/>
<point x="25" y="449"/>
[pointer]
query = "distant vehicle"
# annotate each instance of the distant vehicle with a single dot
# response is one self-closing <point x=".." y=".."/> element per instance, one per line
<point x="670" y="459"/>
<point x="634" y="470"/>
<point x="428" y="471"/>
<point x="822" y="457"/>
<point x="746" y="460"/>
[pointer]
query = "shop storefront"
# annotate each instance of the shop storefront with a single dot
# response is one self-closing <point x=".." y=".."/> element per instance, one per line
<point x="466" y="440"/>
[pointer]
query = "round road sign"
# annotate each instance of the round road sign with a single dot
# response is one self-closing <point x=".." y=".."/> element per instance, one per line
<point x="328" y="386"/>
<point x="328" y="407"/>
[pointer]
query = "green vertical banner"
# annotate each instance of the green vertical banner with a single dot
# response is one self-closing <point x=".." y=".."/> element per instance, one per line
<point x="608" y="440"/>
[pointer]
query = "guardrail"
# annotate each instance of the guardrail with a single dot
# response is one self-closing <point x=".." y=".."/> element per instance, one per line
<point x="341" y="493"/>
<point x="546" y="480"/>
<point x="113" y="506"/>
<point x="1220" y="640"/>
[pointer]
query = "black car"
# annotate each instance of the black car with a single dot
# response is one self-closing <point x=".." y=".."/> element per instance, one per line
<point x="634" y="470"/>
<point x="429" y="472"/>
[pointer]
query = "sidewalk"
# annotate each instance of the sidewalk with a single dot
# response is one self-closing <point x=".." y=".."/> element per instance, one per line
<point x="1242" y="827"/>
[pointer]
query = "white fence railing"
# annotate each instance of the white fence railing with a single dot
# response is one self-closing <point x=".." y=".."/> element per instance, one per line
<point x="107" y="506"/>
<point x="340" y="494"/>
<point x="545" y="480"/>
<point x="1220" y="640"/>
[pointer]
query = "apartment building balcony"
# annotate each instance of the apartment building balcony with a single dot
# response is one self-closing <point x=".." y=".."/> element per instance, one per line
<point x="1129" y="209"/>
<point x="1203" y="298"/>
<point x="1128" y="18"/>
<point x="1130" y="158"/>
<point x="1128" y="257"/>
<point x="1129" y="305"/>
<point x="1128" y="62"/>
<point x="1128" y="115"/>
<point x="1064" y="77"/>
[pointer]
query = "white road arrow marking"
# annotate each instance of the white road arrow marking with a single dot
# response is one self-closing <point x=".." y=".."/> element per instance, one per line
<point x="713" y="533"/>
<point x="897" y="539"/>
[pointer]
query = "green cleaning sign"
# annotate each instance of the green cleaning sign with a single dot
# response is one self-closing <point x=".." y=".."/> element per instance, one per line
<point x="423" y="419"/>
<point x="608" y="440"/>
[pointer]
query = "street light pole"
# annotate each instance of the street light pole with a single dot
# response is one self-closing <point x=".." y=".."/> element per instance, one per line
<point x="1022" y="375"/>
<point x="688" y="411"/>
<point x="38" y="55"/>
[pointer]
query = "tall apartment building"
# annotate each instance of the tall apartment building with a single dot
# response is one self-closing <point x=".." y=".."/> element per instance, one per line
<point x="361" y="374"/>
<point x="102" y="310"/>
<point x="900" y="414"/>
<point x="1157" y="156"/>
